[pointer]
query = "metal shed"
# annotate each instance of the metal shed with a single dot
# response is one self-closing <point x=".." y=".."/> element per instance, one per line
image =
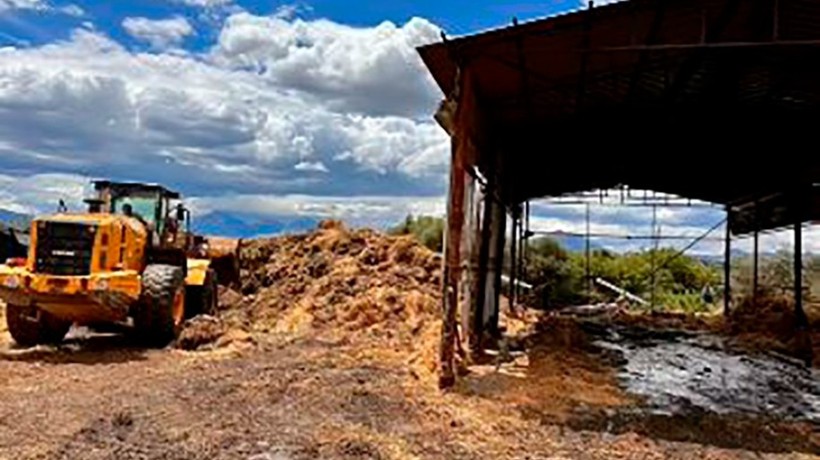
<point x="706" y="99"/>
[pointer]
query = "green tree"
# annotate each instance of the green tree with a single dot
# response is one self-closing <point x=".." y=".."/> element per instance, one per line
<point x="558" y="276"/>
<point x="428" y="230"/>
<point x="555" y="278"/>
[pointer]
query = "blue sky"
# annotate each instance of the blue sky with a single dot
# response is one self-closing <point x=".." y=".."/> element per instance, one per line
<point x="38" y="26"/>
<point x="274" y="111"/>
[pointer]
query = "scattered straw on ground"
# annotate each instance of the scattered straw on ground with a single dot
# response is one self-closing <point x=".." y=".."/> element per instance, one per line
<point x="555" y="376"/>
<point x="770" y="324"/>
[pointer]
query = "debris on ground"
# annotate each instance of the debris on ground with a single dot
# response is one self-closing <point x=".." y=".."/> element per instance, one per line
<point x="205" y="332"/>
<point x="228" y="298"/>
<point x="200" y="331"/>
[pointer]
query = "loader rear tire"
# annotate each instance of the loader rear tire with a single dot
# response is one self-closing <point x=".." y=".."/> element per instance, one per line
<point x="161" y="312"/>
<point x="29" y="327"/>
<point x="202" y="300"/>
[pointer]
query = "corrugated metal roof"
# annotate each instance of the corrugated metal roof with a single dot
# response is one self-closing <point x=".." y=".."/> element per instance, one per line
<point x="708" y="99"/>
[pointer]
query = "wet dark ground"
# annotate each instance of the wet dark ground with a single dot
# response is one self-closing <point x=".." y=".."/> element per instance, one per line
<point x="695" y="388"/>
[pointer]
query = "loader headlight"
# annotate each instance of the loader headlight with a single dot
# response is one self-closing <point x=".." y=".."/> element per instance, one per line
<point x="12" y="282"/>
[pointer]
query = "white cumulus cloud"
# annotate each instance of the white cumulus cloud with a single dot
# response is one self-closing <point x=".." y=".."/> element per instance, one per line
<point x="72" y="10"/>
<point x="204" y="3"/>
<point x="159" y="33"/>
<point x="8" y="5"/>
<point x="40" y="192"/>
<point x="207" y="125"/>
<point x="371" y="70"/>
<point x="370" y="210"/>
<point x="316" y="166"/>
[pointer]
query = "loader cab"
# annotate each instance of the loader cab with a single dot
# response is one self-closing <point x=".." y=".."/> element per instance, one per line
<point x="151" y="204"/>
<point x="164" y="218"/>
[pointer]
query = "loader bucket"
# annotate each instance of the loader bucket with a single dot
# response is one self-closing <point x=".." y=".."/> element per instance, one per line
<point x="224" y="256"/>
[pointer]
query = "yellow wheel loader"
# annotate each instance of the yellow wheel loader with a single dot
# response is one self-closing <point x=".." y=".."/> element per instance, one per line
<point x="130" y="260"/>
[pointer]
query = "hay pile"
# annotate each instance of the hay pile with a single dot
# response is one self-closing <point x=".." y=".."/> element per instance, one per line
<point x="337" y="281"/>
<point x="769" y="324"/>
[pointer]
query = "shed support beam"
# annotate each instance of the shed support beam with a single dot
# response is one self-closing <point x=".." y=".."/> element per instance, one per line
<point x="519" y="272"/>
<point x="495" y="266"/>
<point x="727" y="265"/>
<point x="587" y="261"/>
<point x="756" y="258"/>
<point x="513" y="249"/>
<point x="470" y="247"/>
<point x="755" y="267"/>
<point x="482" y="302"/>
<point x="489" y="271"/>
<point x="452" y="264"/>
<point x="799" y="313"/>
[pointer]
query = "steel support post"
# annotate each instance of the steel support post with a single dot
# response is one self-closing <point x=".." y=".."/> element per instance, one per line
<point x="452" y="266"/>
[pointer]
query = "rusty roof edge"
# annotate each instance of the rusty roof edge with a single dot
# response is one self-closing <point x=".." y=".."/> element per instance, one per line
<point x="562" y="20"/>
<point x="566" y="20"/>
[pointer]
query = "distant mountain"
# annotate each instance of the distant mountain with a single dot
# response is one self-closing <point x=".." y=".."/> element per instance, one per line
<point x="238" y="225"/>
<point x="14" y="219"/>
<point x="717" y="259"/>
<point x="571" y="242"/>
<point x="234" y="225"/>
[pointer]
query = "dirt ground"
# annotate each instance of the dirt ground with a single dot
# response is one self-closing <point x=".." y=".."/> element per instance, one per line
<point x="310" y="370"/>
<point x="99" y="398"/>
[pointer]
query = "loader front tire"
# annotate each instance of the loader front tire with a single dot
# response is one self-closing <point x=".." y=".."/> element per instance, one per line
<point x="29" y="326"/>
<point x="161" y="311"/>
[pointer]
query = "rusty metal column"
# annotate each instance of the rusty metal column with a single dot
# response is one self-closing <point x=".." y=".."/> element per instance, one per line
<point x="496" y="267"/>
<point x="519" y="272"/>
<point x="587" y="261"/>
<point x="756" y="267"/>
<point x="452" y="267"/>
<point x="756" y="259"/>
<point x="799" y="313"/>
<point x="470" y="241"/>
<point x="727" y="265"/>
<point x="481" y="301"/>
<point x="513" y="250"/>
